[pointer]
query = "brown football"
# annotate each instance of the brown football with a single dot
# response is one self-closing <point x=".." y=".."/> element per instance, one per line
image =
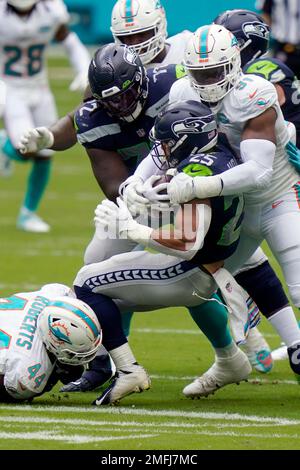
<point x="163" y="179"/>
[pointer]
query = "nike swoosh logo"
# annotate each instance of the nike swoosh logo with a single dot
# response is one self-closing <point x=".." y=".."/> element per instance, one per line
<point x="259" y="67"/>
<point x="275" y="204"/>
<point x="252" y="94"/>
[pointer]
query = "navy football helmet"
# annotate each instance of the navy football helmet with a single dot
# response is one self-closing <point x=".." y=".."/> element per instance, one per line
<point x="182" y="129"/>
<point x="118" y="81"/>
<point x="251" y="31"/>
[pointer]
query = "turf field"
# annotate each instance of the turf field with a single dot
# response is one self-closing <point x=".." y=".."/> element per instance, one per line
<point x="261" y="414"/>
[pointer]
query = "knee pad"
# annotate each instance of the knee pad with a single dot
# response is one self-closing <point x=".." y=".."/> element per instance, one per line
<point x="264" y="287"/>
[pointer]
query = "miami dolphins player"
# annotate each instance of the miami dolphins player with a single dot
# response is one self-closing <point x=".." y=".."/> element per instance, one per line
<point x="250" y="116"/>
<point x="45" y="336"/>
<point x="252" y="34"/>
<point x="187" y="268"/>
<point x="142" y="25"/>
<point x="27" y="28"/>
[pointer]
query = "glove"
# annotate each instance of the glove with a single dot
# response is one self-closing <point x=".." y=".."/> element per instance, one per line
<point x="132" y="195"/>
<point x="294" y="155"/>
<point x="34" y="140"/>
<point x="115" y="219"/>
<point x="154" y="194"/>
<point x="79" y="83"/>
<point x="181" y="189"/>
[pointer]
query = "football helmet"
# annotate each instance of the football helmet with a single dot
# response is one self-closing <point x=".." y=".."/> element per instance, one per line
<point x="22" y="5"/>
<point x="70" y="330"/>
<point x="213" y="63"/>
<point x="118" y="81"/>
<point x="251" y="31"/>
<point x="182" y="129"/>
<point x="131" y="17"/>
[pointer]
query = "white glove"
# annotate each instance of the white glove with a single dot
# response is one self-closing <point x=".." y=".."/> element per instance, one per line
<point x="118" y="222"/>
<point x="153" y="193"/>
<point x="79" y="83"/>
<point x="113" y="218"/>
<point x="181" y="189"/>
<point x="131" y="191"/>
<point x="34" y="140"/>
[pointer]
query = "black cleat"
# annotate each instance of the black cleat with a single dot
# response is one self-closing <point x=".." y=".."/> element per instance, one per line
<point x="80" y="385"/>
<point x="294" y="358"/>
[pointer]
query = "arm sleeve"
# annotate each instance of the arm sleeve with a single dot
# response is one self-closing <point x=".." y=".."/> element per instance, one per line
<point x="256" y="171"/>
<point x="77" y="53"/>
<point x="147" y="168"/>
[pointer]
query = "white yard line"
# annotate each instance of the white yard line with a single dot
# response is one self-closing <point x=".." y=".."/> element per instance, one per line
<point x="72" y="438"/>
<point x="9" y="420"/>
<point x="122" y="411"/>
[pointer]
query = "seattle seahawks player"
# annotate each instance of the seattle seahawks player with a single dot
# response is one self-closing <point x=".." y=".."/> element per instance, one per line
<point x="45" y="336"/>
<point x="189" y="266"/>
<point x="250" y="116"/>
<point x="27" y="28"/>
<point x="252" y="34"/>
<point x="142" y="24"/>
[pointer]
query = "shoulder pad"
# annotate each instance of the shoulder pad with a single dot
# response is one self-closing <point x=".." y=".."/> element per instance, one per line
<point x="268" y="69"/>
<point x="254" y="95"/>
<point x="82" y="118"/>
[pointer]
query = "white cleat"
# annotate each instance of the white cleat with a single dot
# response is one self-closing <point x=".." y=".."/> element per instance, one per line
<point x="133" y="380"/>
<point x="31" y="222"/>
<point x="280" y="353"/>
<point x="224" y="371"/>
<point x="258" y="351"/>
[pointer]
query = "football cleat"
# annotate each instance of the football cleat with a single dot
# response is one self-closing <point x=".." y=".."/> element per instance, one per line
<point x="294" y="357"/>
<point x="280" y="353"/>
<point x="80" y="385"/>
<point x="30" y="222"/>
<point x="224" y="371"/>
<point x="258" y="351"/>
<point x="5" y="161"/>
<point x="133" y="380"/>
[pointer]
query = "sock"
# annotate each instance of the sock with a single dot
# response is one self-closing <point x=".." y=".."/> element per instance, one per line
<point x="126" y="321"/>
<point x="10" y="151"/>
<point x="37" y="183"/>
<point x="228" y="351"/>
<point x="211" y="317"/>
<point x="122" y="356"/>
<point x="286" y="326"/>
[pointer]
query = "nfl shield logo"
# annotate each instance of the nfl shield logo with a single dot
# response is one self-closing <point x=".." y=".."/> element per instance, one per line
<point x="228" y="287"/>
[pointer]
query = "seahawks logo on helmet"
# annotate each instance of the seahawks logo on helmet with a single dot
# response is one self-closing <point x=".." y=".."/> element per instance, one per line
<point x="256" y="29"/>
<point x="192" y="126"/>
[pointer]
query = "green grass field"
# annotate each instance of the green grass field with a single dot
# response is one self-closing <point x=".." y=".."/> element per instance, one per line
<point x="261" y="414"/>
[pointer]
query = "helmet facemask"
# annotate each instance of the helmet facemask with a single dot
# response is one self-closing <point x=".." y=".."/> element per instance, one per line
<point x="214" y="82"/>
<point x="128" y="104"/>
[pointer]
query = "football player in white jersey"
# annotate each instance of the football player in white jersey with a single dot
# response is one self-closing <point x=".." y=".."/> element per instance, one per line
<point x="249" y="114"/>
<point x="142" y="24"/>
<point x="45" y="336"/>
<point x="27" y="28"/>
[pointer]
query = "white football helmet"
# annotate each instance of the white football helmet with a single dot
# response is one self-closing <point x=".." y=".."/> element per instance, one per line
<point x="70" y="330"/>
<point x="131" y="17"/>
<point x="213" y="62"/>
<point x="22" y="5"/>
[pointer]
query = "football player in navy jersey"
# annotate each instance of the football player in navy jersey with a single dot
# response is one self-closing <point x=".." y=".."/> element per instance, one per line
<point x="189" y="265"/>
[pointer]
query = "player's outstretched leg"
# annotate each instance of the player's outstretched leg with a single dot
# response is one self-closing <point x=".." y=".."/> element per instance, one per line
<point x="231" y="366"/>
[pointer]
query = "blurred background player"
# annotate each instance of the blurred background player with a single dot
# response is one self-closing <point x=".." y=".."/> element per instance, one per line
<point x="142" y="24"/>
<point x="45" y="336"/>
<point x="27" y="28"/>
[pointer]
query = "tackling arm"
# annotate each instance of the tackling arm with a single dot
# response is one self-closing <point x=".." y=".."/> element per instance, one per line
<point x="78" y="55"/>
<point x="109" y="170"/>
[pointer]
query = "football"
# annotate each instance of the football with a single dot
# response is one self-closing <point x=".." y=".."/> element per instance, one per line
<point x="166" y="178"/>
